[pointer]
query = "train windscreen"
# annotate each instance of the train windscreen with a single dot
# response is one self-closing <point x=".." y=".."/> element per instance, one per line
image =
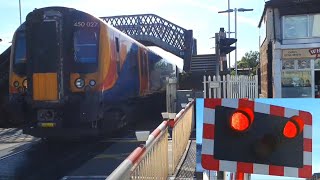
<point x="85" y="46"/>
<point x="45" y="46"/>
<point x="20" y="48"/>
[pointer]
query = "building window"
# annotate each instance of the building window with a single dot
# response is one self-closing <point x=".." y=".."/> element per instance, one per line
<point x="296" y="84"/>
<point x="317" y="64"/>
<point x="263" y="31"/>
<point x="314" y="25"/>
<point x="304" y="64"/>
<point x="288" y="64"/>
<point x="296" y="78"/>
<point x="301" y="26"/>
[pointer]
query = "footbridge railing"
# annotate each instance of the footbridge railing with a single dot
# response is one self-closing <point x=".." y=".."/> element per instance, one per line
<point x="159" y="157"/>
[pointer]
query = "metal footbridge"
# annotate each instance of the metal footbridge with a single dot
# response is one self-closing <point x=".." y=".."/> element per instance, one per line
<point x="153" y="30"/>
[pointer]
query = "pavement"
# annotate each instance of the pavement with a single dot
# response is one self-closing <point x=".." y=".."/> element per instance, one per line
<point x="188" y="167"/>
<point x="104" y="162"/>
<point x="11" y="139"/>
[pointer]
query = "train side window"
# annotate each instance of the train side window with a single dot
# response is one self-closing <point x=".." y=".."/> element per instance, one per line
<point x="20" y="49"/>
<point x="117" y="44"/>
<point x="86" y="46"/>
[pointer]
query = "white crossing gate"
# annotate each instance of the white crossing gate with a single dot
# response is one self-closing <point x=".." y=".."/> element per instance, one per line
<point x="230" y="86"/>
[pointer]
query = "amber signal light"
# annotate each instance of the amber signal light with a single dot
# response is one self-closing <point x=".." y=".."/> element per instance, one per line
<point x="241" y="119"/>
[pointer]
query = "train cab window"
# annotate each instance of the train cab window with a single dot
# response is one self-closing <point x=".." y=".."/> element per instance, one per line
<point x="85" y="46"/>
<point x="20" y="49"/>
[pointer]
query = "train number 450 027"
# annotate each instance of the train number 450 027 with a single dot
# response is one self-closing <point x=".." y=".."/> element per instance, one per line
<point x="85" y="24"/>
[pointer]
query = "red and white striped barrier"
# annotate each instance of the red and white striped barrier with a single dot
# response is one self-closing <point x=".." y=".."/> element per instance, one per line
<point x="155" y="134"/>
<point x="173" y="122"/>
<point x="123" y="171"/>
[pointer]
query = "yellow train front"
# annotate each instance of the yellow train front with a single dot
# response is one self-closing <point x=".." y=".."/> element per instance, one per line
<point x="73" y="75"/>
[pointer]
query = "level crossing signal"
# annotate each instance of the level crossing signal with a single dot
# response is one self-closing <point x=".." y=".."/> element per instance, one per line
<point x="244" y="136"/>
<point x="225" y="45"/>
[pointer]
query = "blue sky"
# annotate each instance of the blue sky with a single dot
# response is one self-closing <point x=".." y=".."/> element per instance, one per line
<point x="309" y="105"/>
<point x="200" y="16"/>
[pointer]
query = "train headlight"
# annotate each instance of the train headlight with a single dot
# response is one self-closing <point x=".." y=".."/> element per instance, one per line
<point x="79" y="83"/>
<point x="92" y="82"/>
<point x="16" y="84"/>
<point x="25" y="83"/>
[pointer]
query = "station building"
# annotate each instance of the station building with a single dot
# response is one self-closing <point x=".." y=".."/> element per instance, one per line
<point x="290" y="49"/>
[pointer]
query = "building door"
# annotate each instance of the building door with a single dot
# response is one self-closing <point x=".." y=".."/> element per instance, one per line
<point x="317" y="83"/>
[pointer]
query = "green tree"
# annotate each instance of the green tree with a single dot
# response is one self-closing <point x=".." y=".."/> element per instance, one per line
<point x="249" y="60"/>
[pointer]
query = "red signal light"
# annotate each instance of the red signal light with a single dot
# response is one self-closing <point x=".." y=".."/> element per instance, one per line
<point x="293" y="127"/>
<point x="241" y="119"/>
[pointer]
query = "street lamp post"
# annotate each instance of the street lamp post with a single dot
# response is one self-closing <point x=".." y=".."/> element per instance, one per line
<point x="235" y="10"/>
<point x="229" y="57"/>
<point x="235" y="36"/>
<point x="20" y="10"/>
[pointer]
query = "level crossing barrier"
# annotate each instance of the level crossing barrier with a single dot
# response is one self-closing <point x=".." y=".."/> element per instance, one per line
<point x="151" y="160"/>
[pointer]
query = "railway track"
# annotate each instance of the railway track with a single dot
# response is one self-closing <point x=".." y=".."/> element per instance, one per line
<point x="25" y="157"/>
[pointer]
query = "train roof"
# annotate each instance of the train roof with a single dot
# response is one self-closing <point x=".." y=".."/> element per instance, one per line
<point x="64" y="9"/>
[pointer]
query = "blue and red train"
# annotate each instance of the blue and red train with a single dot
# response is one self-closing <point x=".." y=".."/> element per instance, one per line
<point x="71" y="74"/>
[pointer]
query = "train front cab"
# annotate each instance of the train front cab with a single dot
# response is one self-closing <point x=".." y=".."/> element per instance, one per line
<point x="17" y="78"/>
<point x="62" y="73"/>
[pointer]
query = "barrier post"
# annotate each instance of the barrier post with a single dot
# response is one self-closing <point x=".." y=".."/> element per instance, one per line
<point x="171" y="94"/>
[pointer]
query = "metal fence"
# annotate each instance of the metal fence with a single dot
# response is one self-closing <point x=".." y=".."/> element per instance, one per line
<point x="230" y="87"/>
<point x="151" y="160"/>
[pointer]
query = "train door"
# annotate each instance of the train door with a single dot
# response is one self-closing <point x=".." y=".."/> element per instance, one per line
<point x="317" y="83"/>
<point x="45" y="54"/>
<point x="144" y="72"/>
<point x="118" y="54"/>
